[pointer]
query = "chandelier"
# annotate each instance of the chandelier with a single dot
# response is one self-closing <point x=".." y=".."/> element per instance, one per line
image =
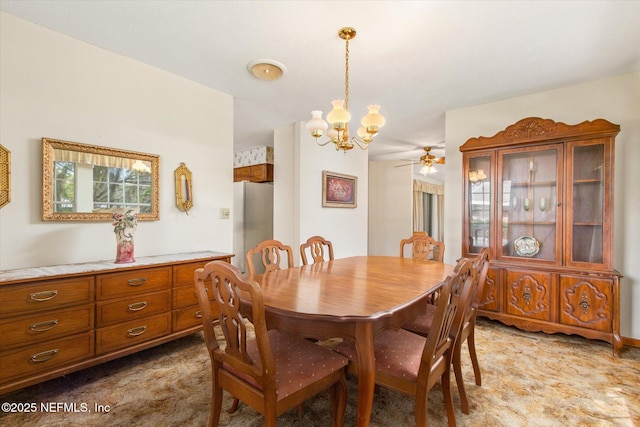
<point x="339" y="117"/>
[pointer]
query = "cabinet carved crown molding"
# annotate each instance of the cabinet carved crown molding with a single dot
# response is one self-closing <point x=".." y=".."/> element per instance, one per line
<point x="534" y="129"/>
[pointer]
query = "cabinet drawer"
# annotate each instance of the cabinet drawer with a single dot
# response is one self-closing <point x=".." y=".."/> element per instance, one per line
<point x="183" y="273"/>
<point x="45" y="356"/>
<point x="16" y="299"/>
<point x="122" y="310"/>
<point x="131" y="333"/>
<point x="586" y="302"/>
<point x="117" y="285"/>
<point x="186" y="318"/>
<point x="45" y="326"/>
<point x="529" y="294"/>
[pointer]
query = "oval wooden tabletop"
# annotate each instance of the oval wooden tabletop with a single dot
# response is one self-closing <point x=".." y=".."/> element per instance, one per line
<point x="356" y="287"/>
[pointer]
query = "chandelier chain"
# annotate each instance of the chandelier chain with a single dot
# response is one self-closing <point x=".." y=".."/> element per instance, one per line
<point x="346" y="76"/>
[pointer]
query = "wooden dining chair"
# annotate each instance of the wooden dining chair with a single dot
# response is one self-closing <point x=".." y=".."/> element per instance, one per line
<point x="317" y="246"/>
<point x="423" y="246"/>
<point x="467" y="333"/>
<point x="463" y="327"/>
<point x="271" y="253"/>
<point x="273" y="372"/>
<point x="412" y="364"/>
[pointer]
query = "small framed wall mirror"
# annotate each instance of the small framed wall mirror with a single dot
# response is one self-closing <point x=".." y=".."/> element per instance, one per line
<point x="82" y="182"/>
<point x="184" y="191"/>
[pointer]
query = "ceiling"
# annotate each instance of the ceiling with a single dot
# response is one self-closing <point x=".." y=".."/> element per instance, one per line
<point x="417" y="59"/>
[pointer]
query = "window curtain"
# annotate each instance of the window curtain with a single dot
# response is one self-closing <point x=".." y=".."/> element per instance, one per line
<point x="93" y="159"/>
<point x="420" y="187"/>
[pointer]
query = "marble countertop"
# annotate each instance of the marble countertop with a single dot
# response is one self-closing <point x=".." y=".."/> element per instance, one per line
<point x="101" y="266"/>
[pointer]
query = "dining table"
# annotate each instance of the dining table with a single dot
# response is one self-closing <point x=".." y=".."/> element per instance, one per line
<point x="351" y="298"/>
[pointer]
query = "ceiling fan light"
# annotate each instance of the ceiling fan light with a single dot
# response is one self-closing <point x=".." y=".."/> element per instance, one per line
<point x="427" y="170"/>
<point x="338" y="117"/>
<point x="317" y="125"/>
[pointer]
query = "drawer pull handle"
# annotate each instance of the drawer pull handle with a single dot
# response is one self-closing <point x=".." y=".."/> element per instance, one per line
<point x="44" y="326"/>
<point x="139" y="281"/>
<point x="43" y="296"/>
<point x="134" y="332"/>
<point x="197" y="314"/>
<point x="44" y="356"/>
<point x="137" y="306"/>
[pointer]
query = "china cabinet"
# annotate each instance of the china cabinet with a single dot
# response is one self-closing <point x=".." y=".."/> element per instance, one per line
<point x="539" y="194"/>
<point x="60" y="319"/>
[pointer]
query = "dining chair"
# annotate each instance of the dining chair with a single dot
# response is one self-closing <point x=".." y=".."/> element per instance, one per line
<point x="273" y="372"/>
<point x="271" y="253"/>
<point x="464" y="325"/>
<point x="467" y="333"/>
<point x="412" y="364"/>
<point x="423" y="246"/>
<point x="316" y="245"/>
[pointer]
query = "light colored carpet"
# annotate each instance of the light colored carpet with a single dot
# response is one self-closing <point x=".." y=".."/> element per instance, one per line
<point x="528" y="379"/>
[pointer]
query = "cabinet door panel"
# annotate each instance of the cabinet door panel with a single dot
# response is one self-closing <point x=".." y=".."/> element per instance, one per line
<point x="529" y="294"/>
<point x="586" y="302"/>
<point x="590" y="202"/>
<point x="529" y="202"/>
<point x="490" y="293"/>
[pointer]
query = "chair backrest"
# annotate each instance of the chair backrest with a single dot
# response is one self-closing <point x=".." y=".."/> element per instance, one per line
<point x="316" y="246"/>
<point x="271" y="252"/>
<point x="423" y="246"/>
<point x="449" y="302"/>
<point x="481" y="264"/>
<point x="224" y="284"/>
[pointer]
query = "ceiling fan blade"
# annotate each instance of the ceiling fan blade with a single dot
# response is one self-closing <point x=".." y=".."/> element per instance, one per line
<point x="440" y="160"/>
<point x="406" y="164"/>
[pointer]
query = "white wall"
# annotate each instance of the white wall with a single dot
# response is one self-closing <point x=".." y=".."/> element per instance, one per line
<point x="55" y="86"/>
<point x="298" y="211"/>
<point x="390" y="207"/>
<point x="617" y="100"/>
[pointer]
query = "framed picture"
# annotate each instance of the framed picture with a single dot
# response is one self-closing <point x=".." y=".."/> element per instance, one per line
<point x="339" y="191"/>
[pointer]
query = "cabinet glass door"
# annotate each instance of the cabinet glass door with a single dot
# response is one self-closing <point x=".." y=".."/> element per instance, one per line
<point x="586" y="191"/>
<point x="529" y="204"/>
<point x="479" y="203"/>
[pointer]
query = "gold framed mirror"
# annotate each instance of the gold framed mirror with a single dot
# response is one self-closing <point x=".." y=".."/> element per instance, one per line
<point x="5" y="176"/>
<point x="82" y="182"/>
<point x="184" y="191"/>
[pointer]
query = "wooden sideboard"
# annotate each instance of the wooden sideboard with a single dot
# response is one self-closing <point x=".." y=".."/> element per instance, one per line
<point x="60" y="319"/>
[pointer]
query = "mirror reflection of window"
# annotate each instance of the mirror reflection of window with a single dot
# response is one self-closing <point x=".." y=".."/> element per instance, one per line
<point x="82" y="187"/>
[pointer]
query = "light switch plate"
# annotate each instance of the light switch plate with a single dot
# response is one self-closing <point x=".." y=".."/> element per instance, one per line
<point x="224" y="213"/>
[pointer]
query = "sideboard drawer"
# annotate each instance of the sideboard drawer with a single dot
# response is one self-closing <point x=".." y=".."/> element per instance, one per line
<point x="117" y="285"/>
<point x="186" y="318"/>
<point x="39" y="296"/>
<point x="134" y="307"/>
<point x="130" y="333"/>
<point x="184" y="296"/>
<point x="41" y="357"/>
<point x="183" y="273"/>
<point x="45" y="326"/>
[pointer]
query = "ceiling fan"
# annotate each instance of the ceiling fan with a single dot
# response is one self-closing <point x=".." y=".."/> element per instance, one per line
<point x="427" y="160"/>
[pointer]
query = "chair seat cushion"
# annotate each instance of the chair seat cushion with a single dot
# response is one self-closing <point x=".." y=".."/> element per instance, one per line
<point x="398" y="353"/>
<point x="422" y="324"/>
<point x="298" y="362"/>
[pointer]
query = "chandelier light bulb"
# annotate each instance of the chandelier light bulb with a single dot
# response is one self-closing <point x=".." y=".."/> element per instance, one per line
<point x="317" y="126"/>
<point x="373" y="121"/>
<point x="338" y="117"/>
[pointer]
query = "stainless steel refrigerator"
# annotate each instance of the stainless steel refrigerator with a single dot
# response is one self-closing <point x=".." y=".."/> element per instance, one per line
<point x="252" y="219"/>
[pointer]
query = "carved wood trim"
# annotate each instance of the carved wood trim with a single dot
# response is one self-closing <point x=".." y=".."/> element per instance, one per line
<point x="536" y="129"/>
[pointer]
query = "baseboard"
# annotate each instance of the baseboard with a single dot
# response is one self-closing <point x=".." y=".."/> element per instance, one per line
<point x="631" y="342"/>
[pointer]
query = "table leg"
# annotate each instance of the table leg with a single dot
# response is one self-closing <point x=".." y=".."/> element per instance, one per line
<point x="366" y="372"/>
